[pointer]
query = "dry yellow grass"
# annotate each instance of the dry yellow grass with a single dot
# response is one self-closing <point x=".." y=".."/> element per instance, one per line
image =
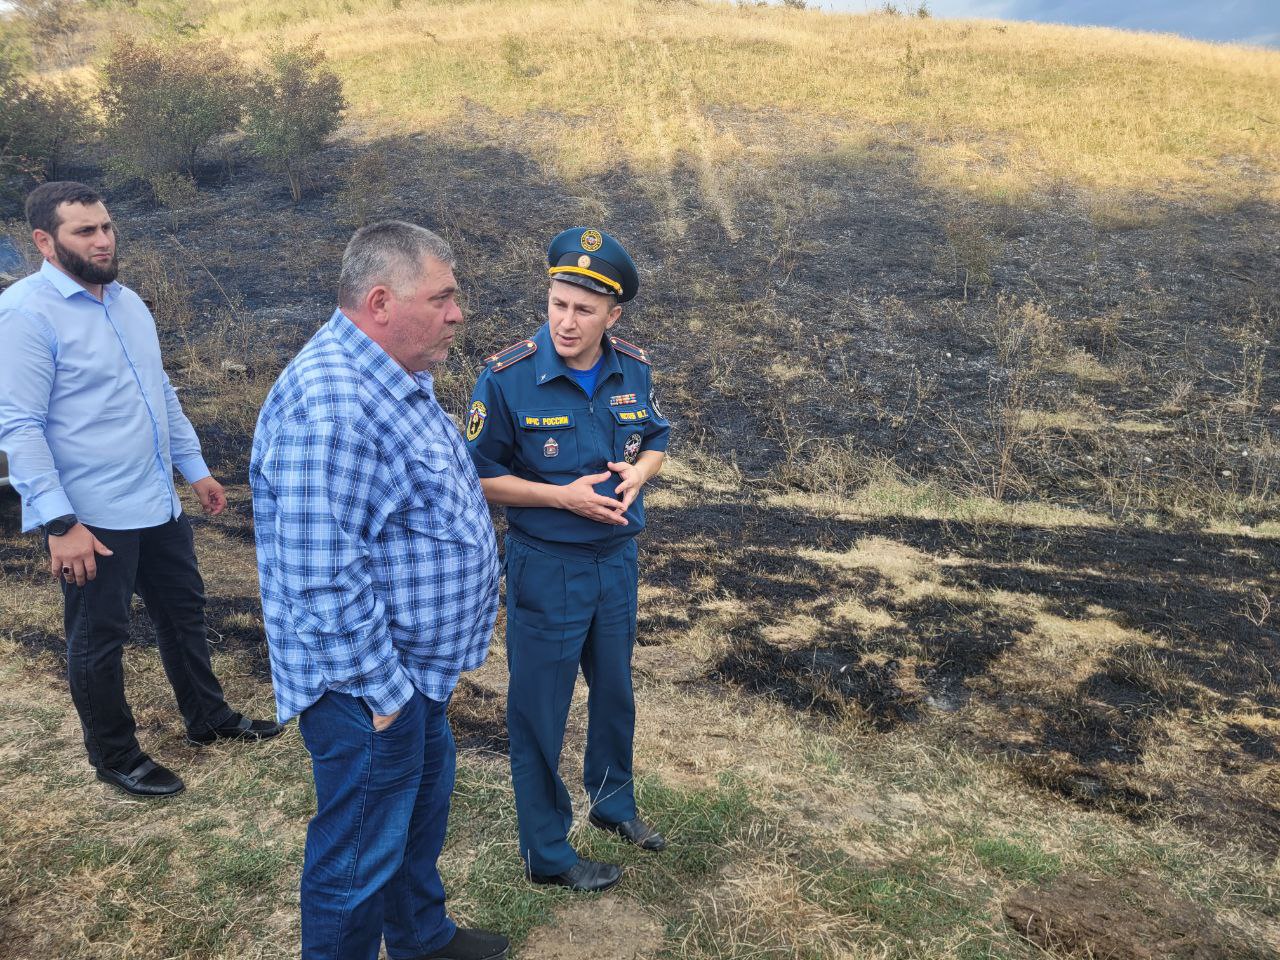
<point x="998" y="108"/>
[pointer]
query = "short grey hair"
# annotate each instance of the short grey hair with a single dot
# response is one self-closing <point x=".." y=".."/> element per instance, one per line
<point x="387" y="254"/>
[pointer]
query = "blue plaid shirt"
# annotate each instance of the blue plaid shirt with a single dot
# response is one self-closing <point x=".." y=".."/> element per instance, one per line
<point x="376" y="554"/>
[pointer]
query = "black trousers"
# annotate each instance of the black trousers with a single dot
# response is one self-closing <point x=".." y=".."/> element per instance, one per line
<point x="159" y="564"/>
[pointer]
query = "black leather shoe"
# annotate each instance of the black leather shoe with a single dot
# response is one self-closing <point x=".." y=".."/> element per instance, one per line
<point x="242" y="728"/>
<point x="633" y="831"/>
<point x="586" y="876"/>
<point x="471" y="945"/>
<point x="147" y="779"/>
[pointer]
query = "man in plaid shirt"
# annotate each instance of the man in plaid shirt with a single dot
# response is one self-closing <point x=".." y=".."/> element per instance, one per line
<point x="379" y="577"/>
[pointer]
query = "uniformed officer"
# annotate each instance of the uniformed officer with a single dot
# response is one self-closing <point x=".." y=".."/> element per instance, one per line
<point x="564" y="432"/>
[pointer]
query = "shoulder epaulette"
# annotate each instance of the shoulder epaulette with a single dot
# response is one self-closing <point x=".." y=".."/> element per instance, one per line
<point x="509" y="355"/>
<point x="630" y="349"/>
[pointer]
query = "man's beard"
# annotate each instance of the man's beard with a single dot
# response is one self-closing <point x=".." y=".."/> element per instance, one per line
<point x="83" y="269"/>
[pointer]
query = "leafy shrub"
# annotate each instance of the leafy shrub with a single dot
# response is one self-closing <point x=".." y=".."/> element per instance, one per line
<point x="294" y="105"/>
<point x="40" y="126"/>
<point x="165" y="102"/>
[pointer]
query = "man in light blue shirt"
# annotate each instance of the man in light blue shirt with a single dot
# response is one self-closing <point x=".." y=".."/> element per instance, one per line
<point x="93" y="430"/>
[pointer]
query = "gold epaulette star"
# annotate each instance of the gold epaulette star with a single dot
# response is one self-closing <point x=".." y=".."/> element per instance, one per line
<point x="509" y="355"/>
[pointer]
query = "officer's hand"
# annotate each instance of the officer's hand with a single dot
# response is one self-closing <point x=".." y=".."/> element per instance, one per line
<point x="72" y="555"/>
<point x="581" y="498"/>
<point x="633" y="478"/>
<point x="211" y="496"/>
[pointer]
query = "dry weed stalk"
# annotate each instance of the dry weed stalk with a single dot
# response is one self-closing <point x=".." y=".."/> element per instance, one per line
<point x="992" y="452"/>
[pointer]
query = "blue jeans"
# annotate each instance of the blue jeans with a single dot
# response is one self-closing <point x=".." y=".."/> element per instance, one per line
<point x="382" y="803"/>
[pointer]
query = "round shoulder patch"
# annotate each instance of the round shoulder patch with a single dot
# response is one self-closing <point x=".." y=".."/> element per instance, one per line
<point x="475" y="420"/>
<point x="591" y="240"/>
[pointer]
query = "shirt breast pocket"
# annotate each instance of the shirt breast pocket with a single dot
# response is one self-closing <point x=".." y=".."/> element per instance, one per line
<point x="438" y="507"/>
<point x="628" y="433"/>
<point x="548" y="441"/>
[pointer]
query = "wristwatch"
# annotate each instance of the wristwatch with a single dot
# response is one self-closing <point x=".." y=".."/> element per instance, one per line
<point x="58" y="526"/>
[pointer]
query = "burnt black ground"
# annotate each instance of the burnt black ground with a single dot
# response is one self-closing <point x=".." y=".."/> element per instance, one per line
<point x="1185" y="590"/>
<point x="842" y="271"/>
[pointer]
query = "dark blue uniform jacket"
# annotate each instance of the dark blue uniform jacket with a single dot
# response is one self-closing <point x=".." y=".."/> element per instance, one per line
<point x="530" y="418"/>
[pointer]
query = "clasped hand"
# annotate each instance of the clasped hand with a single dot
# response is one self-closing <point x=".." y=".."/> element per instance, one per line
<point x="581" y="497"/>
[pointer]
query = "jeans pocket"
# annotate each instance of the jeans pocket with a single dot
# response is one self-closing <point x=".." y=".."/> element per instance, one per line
<point x="365" y="711"/>
<point x="394" y="725"/>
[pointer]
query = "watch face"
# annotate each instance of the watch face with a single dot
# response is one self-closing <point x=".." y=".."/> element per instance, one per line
<point x="60" y="526"/>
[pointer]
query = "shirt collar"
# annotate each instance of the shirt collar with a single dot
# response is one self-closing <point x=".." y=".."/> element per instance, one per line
<point x="375" y="363"/>
<point x="548" y="365"/>
<point x="68" y="287"/>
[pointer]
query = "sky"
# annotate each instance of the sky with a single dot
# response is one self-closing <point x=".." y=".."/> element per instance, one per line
<point x="1238" y="21"/>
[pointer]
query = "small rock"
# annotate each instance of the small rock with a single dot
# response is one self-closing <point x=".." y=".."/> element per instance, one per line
<point x="231" y="366"/>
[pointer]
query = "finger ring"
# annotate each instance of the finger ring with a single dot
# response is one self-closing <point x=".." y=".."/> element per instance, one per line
<point x="66" y="571"/>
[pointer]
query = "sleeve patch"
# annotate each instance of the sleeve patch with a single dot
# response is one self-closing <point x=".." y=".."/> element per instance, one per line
<point x="475" y="420"/>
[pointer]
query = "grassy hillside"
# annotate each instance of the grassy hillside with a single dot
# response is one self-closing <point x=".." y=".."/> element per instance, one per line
<point x="958" y="629"/>
<point x="997" y="105"/>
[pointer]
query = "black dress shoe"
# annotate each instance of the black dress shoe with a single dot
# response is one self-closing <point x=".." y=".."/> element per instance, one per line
<point x="242" y="728"/>
<point x="147" y="779"/>
<point x="471" y="945"/>
<point x="586" y="876"/>
<point x="633" y="831"/>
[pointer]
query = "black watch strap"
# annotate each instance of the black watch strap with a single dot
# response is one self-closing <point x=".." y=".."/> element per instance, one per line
<point x="58" y="526"/>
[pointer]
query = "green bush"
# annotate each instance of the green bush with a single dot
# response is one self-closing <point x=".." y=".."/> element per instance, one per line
<point x="294" y="105"/>
<point x="40" y="126"/>
<point x="164" y="102"/>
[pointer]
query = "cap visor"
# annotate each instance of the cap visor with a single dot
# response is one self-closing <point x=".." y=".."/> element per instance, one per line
<point x="579" y="280"/>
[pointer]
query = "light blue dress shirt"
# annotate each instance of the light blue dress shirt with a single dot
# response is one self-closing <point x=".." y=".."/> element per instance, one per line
<point x="88" y="417"/>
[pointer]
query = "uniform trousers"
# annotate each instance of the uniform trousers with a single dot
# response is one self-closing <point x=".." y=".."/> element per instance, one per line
<point x="563" y="614"/>
<point x="382" y="805"/>
<point x="159" y="564"/>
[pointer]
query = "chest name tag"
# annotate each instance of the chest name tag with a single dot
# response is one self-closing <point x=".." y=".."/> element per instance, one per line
<point x="632" y="416"/>
<point x="535" y="421"/>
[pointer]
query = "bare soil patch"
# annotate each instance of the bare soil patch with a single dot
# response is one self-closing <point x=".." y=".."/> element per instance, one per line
<point x="1124" y="918"/>
<point x="603" y="928"/>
